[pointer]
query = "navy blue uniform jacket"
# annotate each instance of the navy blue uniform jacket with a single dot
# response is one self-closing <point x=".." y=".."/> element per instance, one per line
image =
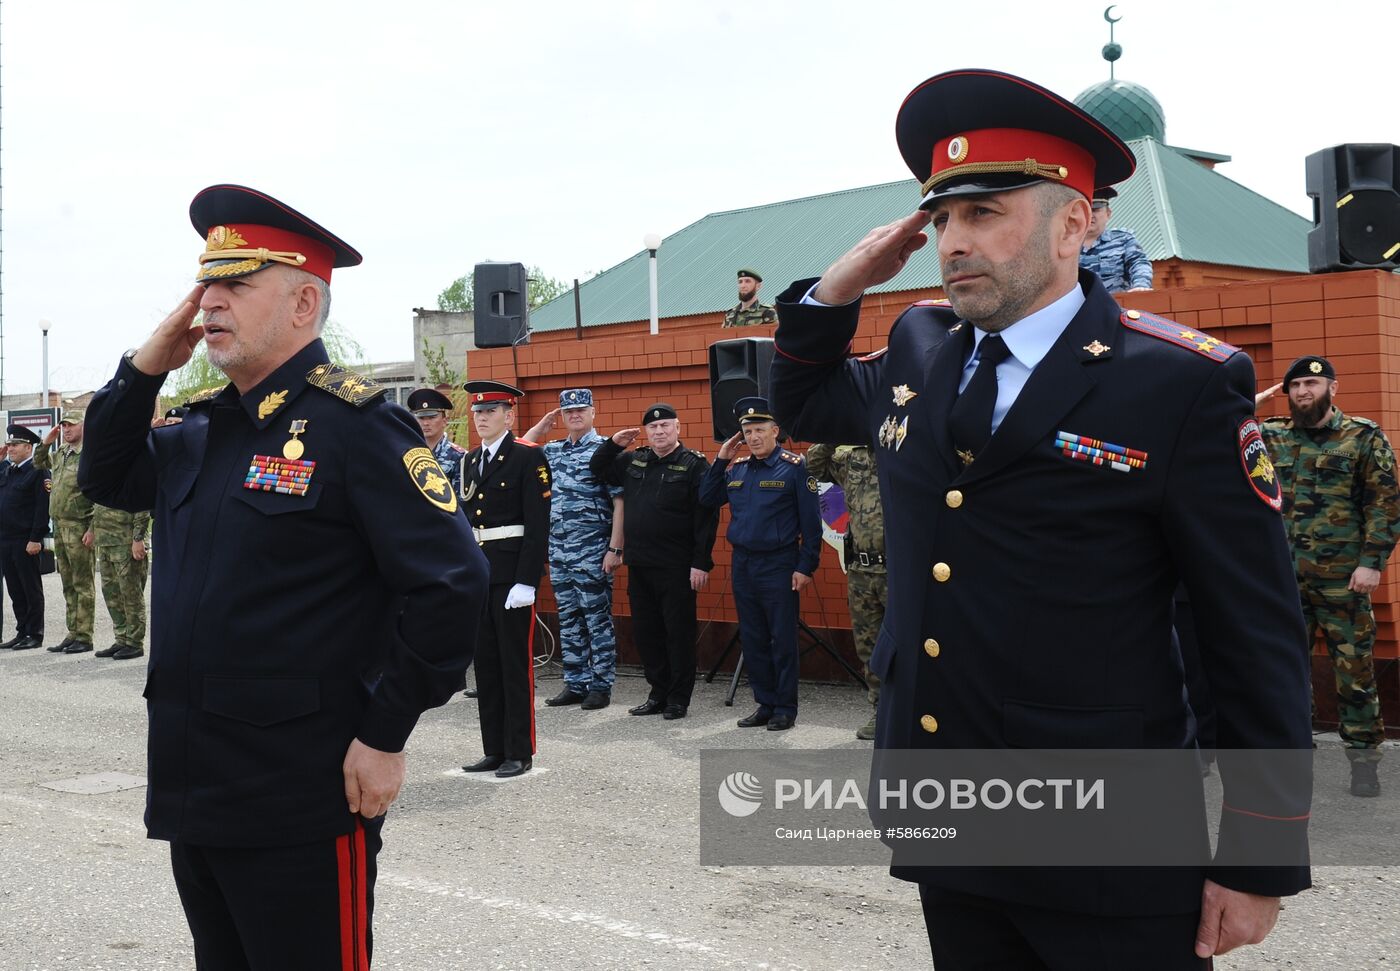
<point x="284" y="626"/>
<point x="772" y="502"/>
<point x="1053" y="624"/>
<point x="24" y="503"/>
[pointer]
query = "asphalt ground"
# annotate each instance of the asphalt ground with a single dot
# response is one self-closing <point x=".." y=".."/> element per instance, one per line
<point x="589" y="861"/>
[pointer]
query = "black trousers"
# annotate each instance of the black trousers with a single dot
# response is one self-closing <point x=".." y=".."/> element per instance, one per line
<point x="970" y="933"/>
<point x="505" y="677"/>
<point x="663" y="627"/>
<point x="307" y="907"/>
<point x="26" y="590"/>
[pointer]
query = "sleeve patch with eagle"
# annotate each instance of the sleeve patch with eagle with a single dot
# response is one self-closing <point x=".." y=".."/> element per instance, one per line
<point x="1258" y="469"/>
<point x="429" y="479"/>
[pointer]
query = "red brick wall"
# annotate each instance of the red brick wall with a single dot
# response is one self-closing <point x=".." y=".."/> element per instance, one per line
<point x="1352" y="318"/>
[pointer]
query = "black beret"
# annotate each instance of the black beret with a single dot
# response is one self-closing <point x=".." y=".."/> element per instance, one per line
<point x="1309" y="365"/>
<point x="657" y="412"/>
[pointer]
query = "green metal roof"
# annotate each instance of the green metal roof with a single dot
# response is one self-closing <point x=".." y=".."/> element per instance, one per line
<point x="1129" y="109"/>
<point x="1176" y="207"/>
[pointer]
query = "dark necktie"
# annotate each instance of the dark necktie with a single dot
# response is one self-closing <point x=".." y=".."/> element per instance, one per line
<point x="970" y="421"/>
<point x="485" y="457"/>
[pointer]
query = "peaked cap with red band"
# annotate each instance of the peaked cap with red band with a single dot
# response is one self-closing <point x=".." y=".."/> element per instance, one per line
<point x="246" y="231"/>
<point x="972" y="131"/>
<point x="489" y="394"/>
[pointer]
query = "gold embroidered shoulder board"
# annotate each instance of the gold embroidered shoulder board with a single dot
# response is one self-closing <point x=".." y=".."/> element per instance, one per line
<point x="344" y="384"/>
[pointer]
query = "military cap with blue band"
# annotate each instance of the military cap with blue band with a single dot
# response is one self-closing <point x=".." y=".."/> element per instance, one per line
<point x="658" y="412"/>
<point x="246" y="231"/>
<point x="1309" y="366"/>
<point x="753" y="409"/>
<point x="576" y="398"/>
<point x="428" y="399"/>
<point x="972" y="131"/>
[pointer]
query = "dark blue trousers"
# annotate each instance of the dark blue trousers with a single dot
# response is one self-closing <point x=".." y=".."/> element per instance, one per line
<point x="768" y="625"/>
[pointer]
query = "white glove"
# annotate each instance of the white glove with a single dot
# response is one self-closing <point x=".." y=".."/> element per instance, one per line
<point x="520" y="596"/>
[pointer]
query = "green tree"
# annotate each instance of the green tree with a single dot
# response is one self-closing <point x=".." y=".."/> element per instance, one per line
<point x="460" y="296"/>
<point x="439" y="370"/>
<point x="199" y="374"/>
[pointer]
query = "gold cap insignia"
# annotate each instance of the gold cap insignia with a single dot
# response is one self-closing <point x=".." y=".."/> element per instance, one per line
<point x="1315" y="367"/>
<point x="957" y="149"/>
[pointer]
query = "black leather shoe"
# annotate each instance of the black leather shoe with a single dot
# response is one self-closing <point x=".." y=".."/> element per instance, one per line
<point x="108" y="651"/>
<point x="780" y="723"/>
<point x="759" y="717"/>
<point x="469" y="692"/>
<point x="566" y="697"/>
<point x="648" y="707"/>
<point x="596" y="700"/>
<point x="31" y="642"/>
<point x="59" y="647"/>
<point x="128" y="652"/>
<point x="1364" y="780"/>
<point x="78" y="647"/>
<point x="511" y="768"/>
<point x="10" y="644"/>
<point x="487" y="763"/>
<point x="673" y="712"/>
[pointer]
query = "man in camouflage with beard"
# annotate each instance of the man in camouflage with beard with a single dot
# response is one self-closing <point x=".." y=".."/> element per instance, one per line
<point x="1342" y="508"/>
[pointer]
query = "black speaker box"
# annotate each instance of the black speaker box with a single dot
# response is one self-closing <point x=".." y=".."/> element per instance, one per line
<point x="1356" y="208"/>
<point x="502" y="304"/>
<point x="738" y="369"/>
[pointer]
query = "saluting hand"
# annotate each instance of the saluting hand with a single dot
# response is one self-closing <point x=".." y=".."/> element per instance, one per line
<point x="52" y="436"/>
<point x="625" y="436"/>
<point x="372" y="779"/>
<point x="874" y="260"/>
<point x="730" y="448"/>
<point x="1266" y="394"/>
<point x="174" y="340"/>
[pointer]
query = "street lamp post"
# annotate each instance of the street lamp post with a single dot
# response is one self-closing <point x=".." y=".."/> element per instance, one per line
<point x="44" y="325"/>
<point x="652" y="242"/>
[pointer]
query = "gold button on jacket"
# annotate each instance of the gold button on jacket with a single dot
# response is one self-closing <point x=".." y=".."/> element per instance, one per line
<point x="941" y="572"/>
<point x="929" y="723"/>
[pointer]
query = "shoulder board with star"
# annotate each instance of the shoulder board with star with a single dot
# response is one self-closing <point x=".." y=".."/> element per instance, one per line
<point x="201" y="397"/>
<point x="454" y="447"/>
<point x="1178" y="334"/>
<point x="741" y="458"/>
<point x="345" y="384"/>
<point x="790" y="457"/>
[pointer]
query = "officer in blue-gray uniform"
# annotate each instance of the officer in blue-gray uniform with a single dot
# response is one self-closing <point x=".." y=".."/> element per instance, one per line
<point x="1114" y="254"/>
<point x="308" y="605"/>
<point x="432" y="408"/>
<point x="585" y="547"/>
<point x="775" y="530"/>
<point x="24" y="521"/>
<point x="1050" y="466"/>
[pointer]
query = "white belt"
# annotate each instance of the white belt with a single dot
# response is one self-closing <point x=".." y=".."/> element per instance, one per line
<point x="497" y="532"/>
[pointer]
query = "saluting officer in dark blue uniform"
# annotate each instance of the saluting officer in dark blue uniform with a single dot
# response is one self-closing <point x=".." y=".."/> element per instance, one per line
<point x="24" y="521"/>
<point x="307" y="605"/>
<point x="775" y="530"/>
<point x="1050" y="467"/>
<point x="507" y="502"/>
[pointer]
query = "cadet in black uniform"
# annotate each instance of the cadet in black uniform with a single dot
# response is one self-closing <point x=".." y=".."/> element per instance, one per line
<point x="669" y="536"/>
<point x="775" y="529"/>
<point x="507" y="503"/>
<point x="24" y="521"/>
<point x="1050" y="466"/>
<point x="306" y="606"/>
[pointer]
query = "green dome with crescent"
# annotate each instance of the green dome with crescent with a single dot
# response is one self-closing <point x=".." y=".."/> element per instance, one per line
<point x="1129" y="110"/>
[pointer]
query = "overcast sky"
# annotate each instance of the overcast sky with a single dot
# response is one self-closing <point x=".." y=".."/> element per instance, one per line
<point x="433" y="134"/>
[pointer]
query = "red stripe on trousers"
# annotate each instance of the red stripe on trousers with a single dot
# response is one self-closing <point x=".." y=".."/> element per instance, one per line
<point x="350" y="859"/>
<point x="530" y="650"/>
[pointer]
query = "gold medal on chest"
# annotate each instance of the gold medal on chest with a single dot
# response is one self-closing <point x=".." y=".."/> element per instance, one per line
<point x="293" y="448"/>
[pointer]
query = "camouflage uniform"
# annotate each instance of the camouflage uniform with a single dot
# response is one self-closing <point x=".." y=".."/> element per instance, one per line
<point x="1119" y="260"/>
<point x="71" y="512"/>
<point x="759" y="313"/>
<point x="450" y="455"/>
<point x="852" y="467"/>
<point x="1343" y="511"/>
<point x="123" y="576"/>
<point x="580" y="525"/>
